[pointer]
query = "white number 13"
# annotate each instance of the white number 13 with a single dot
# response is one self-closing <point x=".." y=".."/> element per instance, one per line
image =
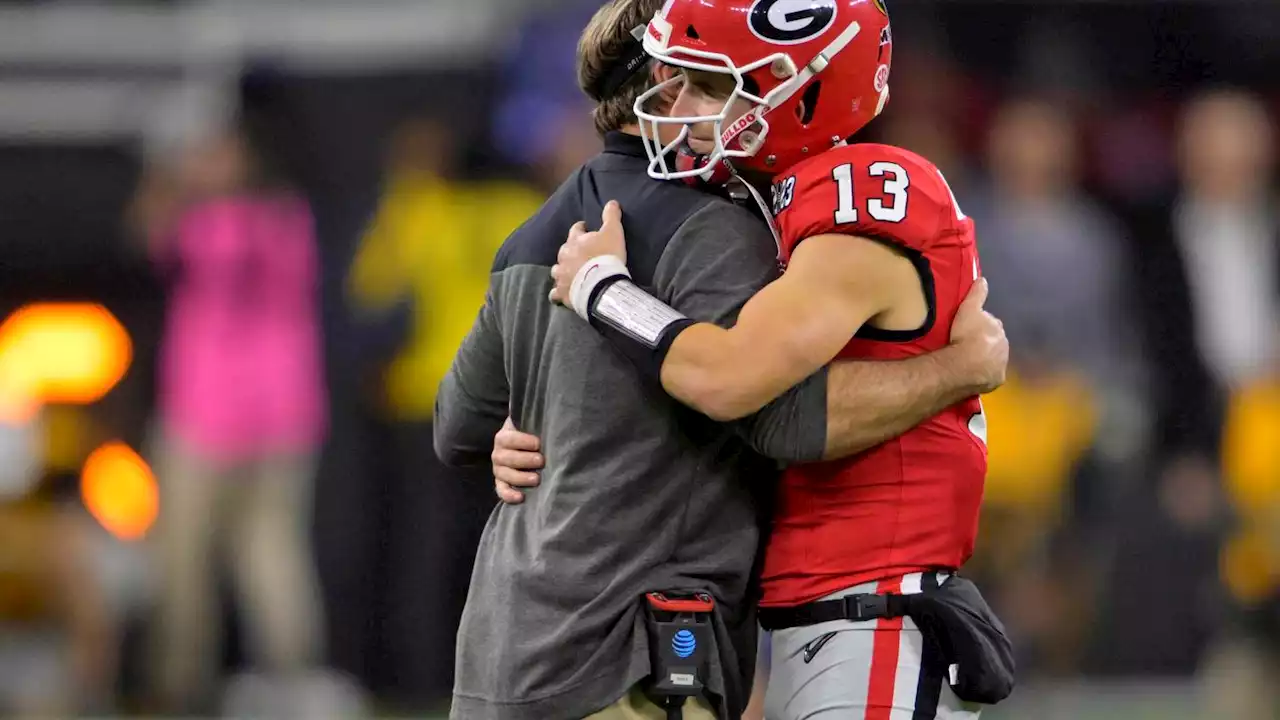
<point x="895" y="186"/>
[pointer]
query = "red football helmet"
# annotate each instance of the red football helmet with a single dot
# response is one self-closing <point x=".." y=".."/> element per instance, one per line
<point x="814" y="72"/>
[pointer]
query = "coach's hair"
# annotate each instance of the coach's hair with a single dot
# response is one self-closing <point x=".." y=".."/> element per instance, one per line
<point x="607" y="40"/>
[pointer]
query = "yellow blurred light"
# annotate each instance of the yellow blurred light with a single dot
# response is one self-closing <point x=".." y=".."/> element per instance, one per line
<point x="70" y="353"/>
<point x="120" y="491"/>
<point x="1246" y="566"/>
<point x="1251" y="455"/>
<point x="1039" y="429"/>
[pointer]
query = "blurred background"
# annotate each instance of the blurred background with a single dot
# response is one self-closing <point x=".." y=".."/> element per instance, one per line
<point x="240" y="241"/>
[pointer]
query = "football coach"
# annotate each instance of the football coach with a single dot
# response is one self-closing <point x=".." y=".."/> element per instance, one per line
<point x="647" y="515"/>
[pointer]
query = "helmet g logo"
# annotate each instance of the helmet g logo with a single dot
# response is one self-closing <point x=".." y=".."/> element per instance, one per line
<point x="789" y="22"/>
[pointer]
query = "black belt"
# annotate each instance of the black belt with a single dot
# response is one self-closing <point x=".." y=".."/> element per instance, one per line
<point x="856" y="608"/>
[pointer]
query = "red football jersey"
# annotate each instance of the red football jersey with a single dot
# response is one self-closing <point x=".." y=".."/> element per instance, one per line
<point x="910" y="504"/>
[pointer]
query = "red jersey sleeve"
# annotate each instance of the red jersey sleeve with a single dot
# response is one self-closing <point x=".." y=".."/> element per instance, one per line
<point x="875" y="191"/>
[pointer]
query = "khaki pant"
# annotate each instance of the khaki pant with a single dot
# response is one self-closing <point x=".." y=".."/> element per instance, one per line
<point x="255" y="516"/>
<point x="635" y="706"/>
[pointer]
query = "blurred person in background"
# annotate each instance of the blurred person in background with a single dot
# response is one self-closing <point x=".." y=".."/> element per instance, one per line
<point x="419" y="275"/>
<point x="1055" y="253"/>
<point x="58" y="633"/>
<point x="1057" y="259"/>
<point x="1226" y="233"/>
<point x="1207" y="277"/>
<point x="241" y="416"/>
<point x="1225" y="227"/>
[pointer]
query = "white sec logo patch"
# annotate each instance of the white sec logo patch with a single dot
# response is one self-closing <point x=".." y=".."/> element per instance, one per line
<point x="882" y="78"/>
<point x="790" y="22"/>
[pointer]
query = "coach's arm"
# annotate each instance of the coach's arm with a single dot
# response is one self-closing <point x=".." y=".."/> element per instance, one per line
<point x="474" y="396"/>
<point x="870" y="402"/>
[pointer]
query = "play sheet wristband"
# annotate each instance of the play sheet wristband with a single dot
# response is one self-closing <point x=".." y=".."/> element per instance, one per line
<point x="638" y="324"/>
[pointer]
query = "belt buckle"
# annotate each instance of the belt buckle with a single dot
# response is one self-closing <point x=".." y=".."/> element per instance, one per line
<point x="865" y="606"/>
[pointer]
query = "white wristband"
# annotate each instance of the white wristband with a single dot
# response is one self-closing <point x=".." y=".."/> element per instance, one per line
<point x="592" y="273"/>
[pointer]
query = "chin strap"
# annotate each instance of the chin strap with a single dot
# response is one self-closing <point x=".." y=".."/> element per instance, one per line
<point x="713" y="174"/>
<point x="766" y="211"/>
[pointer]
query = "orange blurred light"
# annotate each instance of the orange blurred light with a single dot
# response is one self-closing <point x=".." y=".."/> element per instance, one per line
<point x="17" y="405"/>
<point x="70" y="353"/>
<point x="120" y="491"/>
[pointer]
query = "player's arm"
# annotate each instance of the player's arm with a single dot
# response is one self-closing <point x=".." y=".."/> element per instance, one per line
<point x="786" y="332"/>
<point x="790" y="329"/>
<point x="868" y="401"/>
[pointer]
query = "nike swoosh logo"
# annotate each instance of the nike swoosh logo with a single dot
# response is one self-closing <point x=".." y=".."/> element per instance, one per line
<point x="811" y="649"/>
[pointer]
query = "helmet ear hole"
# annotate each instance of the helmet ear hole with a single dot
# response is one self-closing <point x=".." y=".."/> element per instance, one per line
<point x="809" y="103"/>
<point x="692" y="33"/>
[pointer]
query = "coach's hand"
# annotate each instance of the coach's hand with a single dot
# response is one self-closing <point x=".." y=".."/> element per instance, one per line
<point x="582" y="246"/>
<point x="980" y="342"/>
<point x="515" y="458"/>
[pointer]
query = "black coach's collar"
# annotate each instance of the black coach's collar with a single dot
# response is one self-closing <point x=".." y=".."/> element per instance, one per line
<point x="621" y="143"/>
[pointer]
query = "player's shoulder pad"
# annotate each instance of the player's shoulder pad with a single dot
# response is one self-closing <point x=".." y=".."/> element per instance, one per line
<point x="877" y="191"/>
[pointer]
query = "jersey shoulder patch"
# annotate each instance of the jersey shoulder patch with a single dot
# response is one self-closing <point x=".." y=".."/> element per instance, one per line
<point x="877" y="191"/>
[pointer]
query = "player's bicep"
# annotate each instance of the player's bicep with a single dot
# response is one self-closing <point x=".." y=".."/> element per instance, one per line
<point x="831" y="288"/>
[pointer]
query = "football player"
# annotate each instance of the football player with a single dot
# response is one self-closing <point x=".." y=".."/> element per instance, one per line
<point x="878" y="257"/>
